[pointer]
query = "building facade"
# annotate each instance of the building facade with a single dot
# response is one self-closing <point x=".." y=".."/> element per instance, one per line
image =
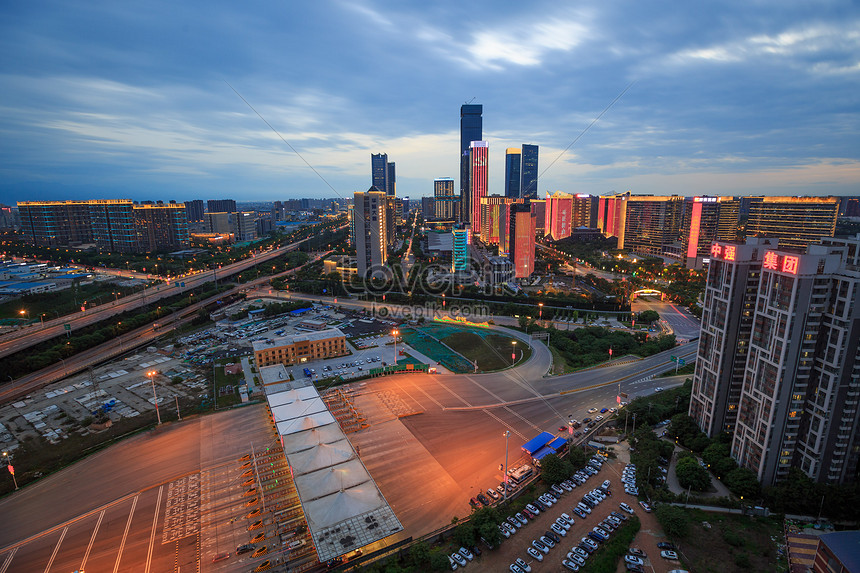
<point x="522" y="239"/>
<point x="513" y="172"/>
<point x="705" y="220"/>
<point x="221" y="205"/>
<point x="382" y="173"/>
<point x="461" y="240"/>
<point x="799" y="394"/>
<point x="444" y="199"/>
<point x="194" y="211"/>
<point x="796" y="221"/>
<point x="370" y="214"/>
<point x="113" y="224"/>
<point x="478" y="181"/>
<point x="56" y="223"/>
<point x="529" y="182"/>
<point x="471" y="129"/>
<point x="652" y="223"/>
<point x="612" y="216"/>
<point x="559" y="215"/>
<point x="161" y="226"/>
<point x="300" y="348"/>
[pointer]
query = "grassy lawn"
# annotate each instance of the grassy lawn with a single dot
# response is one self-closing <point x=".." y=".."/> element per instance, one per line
<point x="492" y="351"/>
<point x="685" y="369"/>
<point x="221" y="380"/>
<point x="742" y="543"/>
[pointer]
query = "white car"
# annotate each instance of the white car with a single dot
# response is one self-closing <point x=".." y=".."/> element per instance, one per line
<point x="633" y="560"/>
<point x="567" y="518"/>
<point x="461" y="561"/>
<point x="535" y="553"/>
<point x="592" y="410"/>
<point x="576" y="558"/>
<point x="558" y="529"/>
<point x="581" y="552"/>
<point x="532" y="508"/>
<point x="514" y="568"/>
<point x="466" y="553"/>
<point x="626" y="508"/>
<point x="523" y="565"/>
<point x="512" y="521"/>
<point x="557" y="489"/>
<point x="670" y="555"/>
<point x="540" y="546"/>
<point x="547" y="541"/>
<point x="504" y="531"/>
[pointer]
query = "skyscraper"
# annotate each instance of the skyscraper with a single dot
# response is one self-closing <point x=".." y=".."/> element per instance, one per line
<point x="379" y="171"/>
<point x="471" y="129"/>
<point x="221" y="205"/>
<point x="370" y="214"/>
<point x="559" y="215"/>
<point x="522" y="239"/>
<point x="443" y="192"/>
<point x="161" y="226"/>
<point x="478" y="178"/>
<point x="513" y="167"/>
<point x="796" y="221"/>
<point x="798" y="399"/>
<point x="584" y="211"/>
<point x="194" y="211"/>
<point x="392" y="180"/>
<point x="653" y="223"/>
<point x="612" y="216"/>
<point x="529" y="185"/>
<point x="460" y="257"/>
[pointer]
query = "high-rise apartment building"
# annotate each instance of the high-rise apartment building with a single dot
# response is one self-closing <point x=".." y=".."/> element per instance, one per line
<point x="495" y="217"/>
<point x="522" y="239"/>
<point x="478" y="181"/>
<point x="221" y="205"/>
<point x="612" y="216"/>
<point x="513" y="172"/>
<point x="194" y="211"/>
<point x="370" y="213"/>
<point x="849" y="207"/>
<point x="559" y="215"/>
<point x="529" y="183"/>
<point x="428" y="208"/>
<point x="727" y="318"/>
<point x="653" y="223"/>
<point x="113" y="224"/>
<point x="471" y="129"/>
<point x="161" y="226"/>
<point x="56" y="223"/>
<point x="799" y="394"/>
<point x="796" y="221"/>
<point x="705" y="220"/>
<point x="443" y="193"/>
<point x="240" y="224"/>
<point x="461" y="239"/>
<point x="584" y="212"/>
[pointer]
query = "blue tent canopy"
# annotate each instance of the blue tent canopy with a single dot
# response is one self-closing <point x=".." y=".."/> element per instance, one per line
<point x="537" y="443"/>
<point x="558" y="443"/>
<point x="544" y="451"/>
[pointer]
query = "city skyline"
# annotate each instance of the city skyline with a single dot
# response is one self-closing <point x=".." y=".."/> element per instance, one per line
<point x="109" y="102"/>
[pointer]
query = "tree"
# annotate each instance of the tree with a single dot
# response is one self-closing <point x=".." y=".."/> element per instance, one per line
<point x="674" y="520"/>
<point x="438" y="559"/>
<point x="577" y="459"/>
<point x="743" y="482"/>
<point x="692" y="475"/>
<point x="649" y="316"/>
<point x="554" y="469"/>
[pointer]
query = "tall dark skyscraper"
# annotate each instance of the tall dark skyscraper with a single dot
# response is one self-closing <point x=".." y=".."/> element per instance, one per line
<point x="529" y="186"/>
<point x="379" y="171"/>
<point x="221" y="205"/>
<point x="513" y="162"/>
<point x="471" y="129"/>
<point x="392" y="185"/>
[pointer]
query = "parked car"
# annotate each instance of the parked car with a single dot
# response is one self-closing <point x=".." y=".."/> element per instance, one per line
<point x="666" y="545"/>
<point x="459" y="559"/>
<point x="466" y="553"/>
<point x="670" y="555"/>
<point x="537" y="544"/>
<point x="626" y="508"/>
<point x="570" y="565"/>
<point x="633" y="560"/>
<point x="523" y="565"/>
<point x="645" y="506"/>
<point x="534" y="553"/>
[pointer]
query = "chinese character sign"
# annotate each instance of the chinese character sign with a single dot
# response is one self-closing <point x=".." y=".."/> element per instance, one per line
<point x="770" y="260"/>
<point x="729" y="253"/>
<point x="789" y="265"/>
<point x="716" y="250"/>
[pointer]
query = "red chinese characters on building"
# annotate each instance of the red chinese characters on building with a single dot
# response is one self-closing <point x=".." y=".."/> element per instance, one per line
<point x="770" y="260"/>
<point x="729" y="253"/>
<point x="789" y="265"/>
<point x="716" y="250"/>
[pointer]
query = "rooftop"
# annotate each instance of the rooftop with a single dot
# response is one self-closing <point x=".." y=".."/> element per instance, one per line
<point x="303" y="337"/>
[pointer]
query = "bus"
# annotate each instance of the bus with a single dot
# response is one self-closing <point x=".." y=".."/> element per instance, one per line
<point x="520" y="474"/>
<point x="307" y="373"/>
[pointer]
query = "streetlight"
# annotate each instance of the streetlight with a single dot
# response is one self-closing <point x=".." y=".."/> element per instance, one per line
<point x="394" y="333"/>
<point x="22" y="312"/>
<point x="151" y="375"/>
<point x="11" y="468"/>
<point x="513" y="352"/>
<point x="507" y="435"/>
<point x="540" y="311"/>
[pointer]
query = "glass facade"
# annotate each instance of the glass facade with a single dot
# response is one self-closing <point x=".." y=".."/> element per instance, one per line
<point x="529" y="185"/>
<point x="513" y="168"/>
<point x="471" y="129"/>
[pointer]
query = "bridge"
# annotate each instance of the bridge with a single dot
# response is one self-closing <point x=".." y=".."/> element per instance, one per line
<point x="647" y="291"/>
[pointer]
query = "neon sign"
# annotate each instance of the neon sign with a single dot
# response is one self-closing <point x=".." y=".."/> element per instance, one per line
<point x="729" y="253"/>
<point x="789" y="265"/>
<point x="716" y="250"/>
<point x="770" y="260"/>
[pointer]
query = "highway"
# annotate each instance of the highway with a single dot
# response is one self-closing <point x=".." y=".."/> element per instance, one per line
<point x="26" y="337"/>
<point x="427" y="465"/>
<point x="128" y="341"/>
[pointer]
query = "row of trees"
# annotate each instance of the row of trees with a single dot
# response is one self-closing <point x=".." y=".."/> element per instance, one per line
<point x="590" y="345"/>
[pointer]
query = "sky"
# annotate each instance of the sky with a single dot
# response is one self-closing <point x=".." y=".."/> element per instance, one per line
<point x="148" y="100"/>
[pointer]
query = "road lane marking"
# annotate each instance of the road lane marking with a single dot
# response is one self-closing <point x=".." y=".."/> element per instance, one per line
<point x="56" y="548"/>
<point x="154" y="526"/>
<point x="505" y="424"/>
<point x="125" y="533"/>
<point x="92" y="540"/>
<point x="8" y="560"/>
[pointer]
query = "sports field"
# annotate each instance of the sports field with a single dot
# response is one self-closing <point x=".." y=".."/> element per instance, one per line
<point x="459" y="348"/>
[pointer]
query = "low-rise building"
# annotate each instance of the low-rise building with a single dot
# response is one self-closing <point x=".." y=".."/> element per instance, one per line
<point x="300" y="348"/>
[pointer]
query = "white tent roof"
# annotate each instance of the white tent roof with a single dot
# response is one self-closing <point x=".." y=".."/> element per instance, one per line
<point x="321" y="456"/>
<point x="332" y="479"/>
<point x="301" y="441"/>
<point x="299" y="408"/>
<point x="305" y="423"/>
<point x="290" y="396"/>
<point x="331" y="509"/>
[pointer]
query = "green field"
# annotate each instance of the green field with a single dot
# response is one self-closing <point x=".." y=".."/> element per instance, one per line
<point x="491" y="350"/>
<point x="223" y="400"/>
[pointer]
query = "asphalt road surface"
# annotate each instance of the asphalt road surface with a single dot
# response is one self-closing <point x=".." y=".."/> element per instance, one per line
<point x="684" y="325"/>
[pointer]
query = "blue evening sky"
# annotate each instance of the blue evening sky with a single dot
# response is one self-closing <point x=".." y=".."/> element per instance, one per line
<point x="107" y="99"/>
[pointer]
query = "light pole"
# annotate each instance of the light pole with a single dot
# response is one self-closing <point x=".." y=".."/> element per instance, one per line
<point x="22" y="312"/>
<point x="10" y="467"/>
<point x="151" y="375"/>
<point x="507" y="435"/>
<point x="513" y="352"/>
<point x="540" y="312"/>
<point x="394" y="333"/>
